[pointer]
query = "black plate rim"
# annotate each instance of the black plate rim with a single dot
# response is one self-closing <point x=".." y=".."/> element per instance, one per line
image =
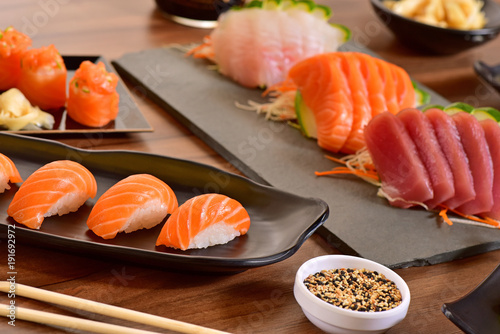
<point x="455" y="312"/>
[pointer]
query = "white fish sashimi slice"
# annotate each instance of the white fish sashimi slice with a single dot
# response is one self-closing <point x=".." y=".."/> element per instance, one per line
<point x="256" y="47"/>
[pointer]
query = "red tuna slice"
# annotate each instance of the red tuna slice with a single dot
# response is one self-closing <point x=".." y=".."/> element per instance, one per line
<point x="472" y="136"/>
<point x="451" y="145"/>
<point x="404" y="178"/>
<point x="492" y="135"/>
<point x="422" y="133"/>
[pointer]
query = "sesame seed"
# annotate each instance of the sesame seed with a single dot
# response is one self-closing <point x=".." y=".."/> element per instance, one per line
<point x="355" y="289"/>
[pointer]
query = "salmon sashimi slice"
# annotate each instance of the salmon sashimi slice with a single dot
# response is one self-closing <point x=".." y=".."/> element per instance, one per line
<point x="422" y="133"/>
<point x="43" y="78"/>
<point x="451" y="145"/>
<point x="404" y="178"/>
<point x="326" y="92"/>
<point x="8" y="173"/>
<point x="344" y="90"/>
<point x="58" y="187"/>
<point x="93" y="100"/>
<point x="203" y="221"/>
<point x="375" y="85"/>
<point x="12" y="45"/>
<point x="476" y="148"/>
<point x="492" y="135"/>
<point x="362" y="111"/>
<point x="138" y="201"/>
<point x="390" y="92"/>
<point x="405" y="92"/>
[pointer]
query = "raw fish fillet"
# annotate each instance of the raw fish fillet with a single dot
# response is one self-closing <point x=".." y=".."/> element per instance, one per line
<point x="451" y="145"/>
<point x="257" y="47"/>
<point x="344" y="90"/>
<point x="136" y="202"/>
<point x="405" y="181"/>
<point x="422" y="133"/>
<point x="476" y="148"/>
<point x="203" y="221"/>
<point x="492" y="135"/>
<point x="58" y="187"/>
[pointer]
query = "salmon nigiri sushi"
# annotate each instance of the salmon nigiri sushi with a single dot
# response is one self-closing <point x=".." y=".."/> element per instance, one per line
<point x="92" y="97"/>
<point x="12" y="45"/>
<point x="56" y="188"/>
<point x="203" y="221"/>
<point x="136" y="202"/>
<point x="8" y="172"/>
<point x="43" y="78"/>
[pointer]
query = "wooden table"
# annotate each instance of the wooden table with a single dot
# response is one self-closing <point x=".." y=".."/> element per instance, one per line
<point x="259" y="300"/>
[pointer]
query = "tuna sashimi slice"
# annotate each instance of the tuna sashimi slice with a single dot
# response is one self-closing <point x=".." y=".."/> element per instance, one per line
<point x="451" y="145"/>
<point x="405" y="181"/>
<point x="478" y="153"/>
<point x="492" y="135"/>
<point x="422" y="133"/>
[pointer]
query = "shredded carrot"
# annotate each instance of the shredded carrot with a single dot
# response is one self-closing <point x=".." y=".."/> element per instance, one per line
<point x="486" y="220"/>
<point x="200" y="51"/>
<point x="280" y="88"/>
<point x="444" y="215"/>
<point x="346" y="170"/>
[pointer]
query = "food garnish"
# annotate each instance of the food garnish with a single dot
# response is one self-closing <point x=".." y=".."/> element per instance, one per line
<point x="17" y="113"/>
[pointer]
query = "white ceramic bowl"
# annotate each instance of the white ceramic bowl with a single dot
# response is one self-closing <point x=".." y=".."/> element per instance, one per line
<point x="333" y="319"/>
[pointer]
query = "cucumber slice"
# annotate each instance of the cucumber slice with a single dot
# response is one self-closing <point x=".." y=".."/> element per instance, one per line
<point x="305" y="5"/>
<point x="271" y="4"/>
<point x="322" y="12"/>
<point x="481" y="115"/>
<point x="421" y="96"/>
<point x="457" y="107"/>
<point x="344" y="30"/>
<point x="492" y="112"/>
<point x="254" y="4"/>
<point x="433" y="106"/>
<point x="305" y="117"/>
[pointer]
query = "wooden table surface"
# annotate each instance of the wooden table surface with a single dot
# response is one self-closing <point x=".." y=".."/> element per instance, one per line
<point x="258" y="300"/>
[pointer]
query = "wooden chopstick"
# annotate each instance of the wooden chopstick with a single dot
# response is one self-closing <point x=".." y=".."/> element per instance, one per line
<point x="95" y="307"/>
<point x="48" y="318"/>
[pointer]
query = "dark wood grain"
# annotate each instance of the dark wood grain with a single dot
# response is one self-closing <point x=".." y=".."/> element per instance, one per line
<point x="258" y="300"/>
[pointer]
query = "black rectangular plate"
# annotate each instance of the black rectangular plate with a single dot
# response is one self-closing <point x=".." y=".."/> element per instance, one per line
<point x="360" y="223"/>
<point x="280" y="221"/>
<point x="129" y="119"/>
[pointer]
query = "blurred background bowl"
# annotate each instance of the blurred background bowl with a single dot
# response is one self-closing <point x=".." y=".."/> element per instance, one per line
<point x="196" y="13"/>
<point x="436" y="40"/>
<point x="333" y="319"/>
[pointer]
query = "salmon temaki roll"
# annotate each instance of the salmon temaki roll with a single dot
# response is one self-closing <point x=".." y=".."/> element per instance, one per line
<point x="56" y="188"/>
<point x="43" y="78"/>
<point x="92" y="98"/>
<point x="8" y="173"/>
<point x="12" y="45"/>
<point x="136" y="202"/>
<point x="204" y="220"/>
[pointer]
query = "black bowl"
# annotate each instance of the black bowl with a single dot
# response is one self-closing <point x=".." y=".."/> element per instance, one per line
<point x="436" y="40"/>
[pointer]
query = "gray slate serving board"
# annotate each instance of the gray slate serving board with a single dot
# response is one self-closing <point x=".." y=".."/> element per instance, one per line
<point x="360" y="223"/>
